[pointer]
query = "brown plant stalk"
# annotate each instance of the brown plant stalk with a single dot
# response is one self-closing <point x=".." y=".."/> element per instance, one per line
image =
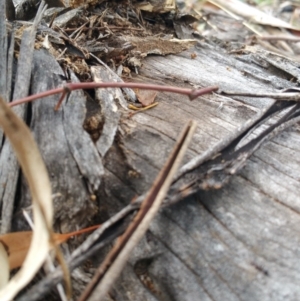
<point x="191" y="93"/>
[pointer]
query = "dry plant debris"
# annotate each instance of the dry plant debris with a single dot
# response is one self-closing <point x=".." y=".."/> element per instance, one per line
<point x="116" y="35"/>
<point x="113" y="31"/>
<point x="270" y="26"/>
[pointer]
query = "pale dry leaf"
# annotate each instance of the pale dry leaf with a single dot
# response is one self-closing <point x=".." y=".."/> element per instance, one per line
<point x="37" y="178"/>
<point x="4" y="275"/>
<point x="145" y="97"/>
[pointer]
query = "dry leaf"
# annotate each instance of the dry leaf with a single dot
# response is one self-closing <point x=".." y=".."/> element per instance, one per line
<point x="17" y="244"/>
<point x="145" y="97"/>
<point x="37" y="178"/>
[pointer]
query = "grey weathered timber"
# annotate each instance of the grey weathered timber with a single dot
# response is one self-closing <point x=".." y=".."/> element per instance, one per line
<point x="239" y="242"/>
<point x="73" y="163"/>
<point x="9" y="166"/>
<point x="3" y="48"/>
<point x="3" y="55"/>
<point x="109" y="109"/>
<point x="26" y="9"/>
<point x="10" y="58"/>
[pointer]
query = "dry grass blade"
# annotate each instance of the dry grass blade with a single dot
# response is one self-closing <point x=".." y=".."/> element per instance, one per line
<point x="4" y="275"/>
<point x="116" y="259"/>
<point x="36" y="174"/>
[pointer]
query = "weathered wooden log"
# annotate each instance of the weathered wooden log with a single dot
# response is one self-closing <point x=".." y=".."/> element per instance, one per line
<point x="239" y="242"/>
<point x="73" y="162"/>
<point x="8" y="161"/>
<point x="234" y="242"/>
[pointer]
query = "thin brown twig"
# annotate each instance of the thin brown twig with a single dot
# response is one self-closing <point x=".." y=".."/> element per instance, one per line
<point x="191" y="93"/>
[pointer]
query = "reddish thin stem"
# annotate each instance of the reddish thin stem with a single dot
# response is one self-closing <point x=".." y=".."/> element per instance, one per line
<point x="192" y="94"/>
<point x="35" y="97"/>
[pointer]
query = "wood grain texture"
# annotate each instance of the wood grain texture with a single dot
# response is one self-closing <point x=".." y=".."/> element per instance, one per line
<point x="8" y="161"/>
<point x="72" y="160"/>
<point x="239" y="242"/>
<point x="3" y="47"/>
<point x="236" y="243"/>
